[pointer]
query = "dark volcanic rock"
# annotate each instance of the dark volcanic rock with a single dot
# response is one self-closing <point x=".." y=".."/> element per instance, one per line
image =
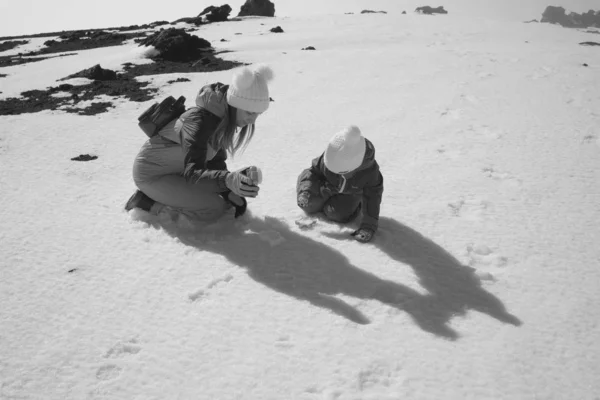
<point x="8" y="45"/>
<point x="589" y="44"/>
<point x="277" y="29"/>
<point x="263" y="8"/>
<point x="373" y="12"/>
<point x="216" y="14"/>
<point x="39" y="100"/>
<point x="96" y="73"/>
<point x="179" y="80"/>
<point x="430" y="10"/>
<point x="8" y="61"/>
<point x="189" y="20"/>
<point x="558" y="15"/>
<point x="176" y="45"/>
<point x="83" y="157"/>
<point x="125" y="85"/>
<point x="308" y="48"/>
<point x="82" y="40"/>
<point x="3" y="75"/>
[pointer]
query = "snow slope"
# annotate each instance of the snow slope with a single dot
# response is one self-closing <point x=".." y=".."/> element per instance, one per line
<point x="482" y="282"/>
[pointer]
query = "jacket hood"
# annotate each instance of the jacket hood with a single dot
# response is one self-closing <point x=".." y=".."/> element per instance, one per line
<point x="369" y="156"/>
<point x="213" y="98"/>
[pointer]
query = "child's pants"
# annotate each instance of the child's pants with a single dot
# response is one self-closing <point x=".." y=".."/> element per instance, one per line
<point x="337" y="207"/>
<point x="158" y="172"/>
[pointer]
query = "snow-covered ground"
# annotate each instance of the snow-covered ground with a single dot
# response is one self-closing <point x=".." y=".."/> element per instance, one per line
<point x="482" y="283"/>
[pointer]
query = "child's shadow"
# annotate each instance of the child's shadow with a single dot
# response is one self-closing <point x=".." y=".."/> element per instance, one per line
<point x="453" y="288"/>
<point x="308" y="270"/>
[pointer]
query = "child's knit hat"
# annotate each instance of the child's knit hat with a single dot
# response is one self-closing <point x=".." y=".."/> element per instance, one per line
<point x="345" y="151"/>
<point x="248" y="90"/>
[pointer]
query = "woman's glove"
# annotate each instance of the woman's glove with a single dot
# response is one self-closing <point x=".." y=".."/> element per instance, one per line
<point x="240" y="184"/>
<point x="363" y="235"/>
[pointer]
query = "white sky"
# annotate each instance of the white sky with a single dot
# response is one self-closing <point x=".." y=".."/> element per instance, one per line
<point x="34" y="16"/>
<point x="487" y="133"/>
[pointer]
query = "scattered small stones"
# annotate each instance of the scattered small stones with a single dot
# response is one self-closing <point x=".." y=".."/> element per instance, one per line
<point x="263" y="8"/>
<point x="430" y="10"/>
<point x="277" y="29"/>
<point x="589" y="44"/>
<point x="9" y="45"/>
<point x="216" y="14"/>
<point x="84" y="157"/>
<point x="308" y="48"/>
<point x="179" y="80"/>
<point x="373" y="12"/>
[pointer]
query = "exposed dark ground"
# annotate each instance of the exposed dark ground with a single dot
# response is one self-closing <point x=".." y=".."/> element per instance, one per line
<point x="124" y="84"/>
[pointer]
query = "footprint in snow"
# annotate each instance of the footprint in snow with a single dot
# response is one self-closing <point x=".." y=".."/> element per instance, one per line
<point x="504" y="177"/>
<point x="471" y="209"/>
<point x="480" y="256"/>
<point x="122" y="349"/>
<point x="108" y="372"/>
<point x="201" y="293"/>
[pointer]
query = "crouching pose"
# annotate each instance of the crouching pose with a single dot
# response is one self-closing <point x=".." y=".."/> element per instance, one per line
<point x="184" y="165"/>
<point x="344" y="182"/>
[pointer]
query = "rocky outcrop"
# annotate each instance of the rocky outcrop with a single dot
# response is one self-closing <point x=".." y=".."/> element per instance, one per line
<point x="95" y="73"/>
<point x="8" y="45"/>
<point x="262" y="8"/>
<point x="558" y="15"/>
<point x="277" y="29"/>
<point x="216" y="14"/>
<point x="373" y="12"/>
<point x="176" y="44"/>
<point x="431" y="10"/>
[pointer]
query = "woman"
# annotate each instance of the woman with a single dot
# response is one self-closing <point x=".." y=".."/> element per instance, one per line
<point x="184" y="168"/>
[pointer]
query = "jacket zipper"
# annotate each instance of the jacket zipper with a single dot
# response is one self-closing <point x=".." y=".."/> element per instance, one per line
<point x="343" y="184"/>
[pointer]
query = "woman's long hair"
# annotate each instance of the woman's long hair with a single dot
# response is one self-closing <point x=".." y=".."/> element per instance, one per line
<point x="225" y="136"/>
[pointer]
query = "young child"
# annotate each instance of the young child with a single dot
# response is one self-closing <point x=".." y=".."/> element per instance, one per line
<point x="344" y="181"/>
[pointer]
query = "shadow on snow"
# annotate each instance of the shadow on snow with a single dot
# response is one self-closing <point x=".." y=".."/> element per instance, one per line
<point x="308" y="270"/>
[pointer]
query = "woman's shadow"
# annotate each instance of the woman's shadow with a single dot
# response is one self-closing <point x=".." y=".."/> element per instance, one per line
<point x="305" y="269"/>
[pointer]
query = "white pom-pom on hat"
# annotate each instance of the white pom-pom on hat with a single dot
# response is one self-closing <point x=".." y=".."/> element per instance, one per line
<point x="243" y="78"/>
<point x="264" y="71"/>
<point x="248" y="90"/>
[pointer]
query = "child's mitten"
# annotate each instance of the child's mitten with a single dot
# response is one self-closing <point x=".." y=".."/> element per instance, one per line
<point x="363" y="235"/>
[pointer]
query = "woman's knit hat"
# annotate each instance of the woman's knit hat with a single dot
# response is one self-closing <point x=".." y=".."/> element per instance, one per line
<point x="345" y="151"/>
<point x="248" y="90"/>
